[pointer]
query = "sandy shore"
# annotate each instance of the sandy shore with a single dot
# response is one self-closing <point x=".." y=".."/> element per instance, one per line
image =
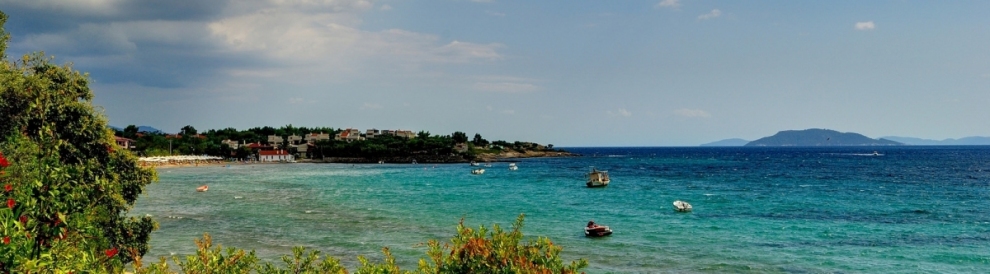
<point x="160" y="165"/>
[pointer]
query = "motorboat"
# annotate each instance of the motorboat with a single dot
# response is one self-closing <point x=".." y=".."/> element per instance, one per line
<point x="473" y="163"/>
<point x="202" y="188"/>
<point x="488" y="165"/>
<point x="478" y="171"/>
<point x="598" y="178"/>
<point x="512" y="166"/>
<point x="597" y="231"/>
<point x="682" y="206"/>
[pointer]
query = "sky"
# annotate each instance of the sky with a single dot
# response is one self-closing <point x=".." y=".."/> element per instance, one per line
<point x="568" y="73"/>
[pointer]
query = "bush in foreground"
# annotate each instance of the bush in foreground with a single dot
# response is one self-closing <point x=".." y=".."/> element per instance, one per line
<point x="470" y="251"/>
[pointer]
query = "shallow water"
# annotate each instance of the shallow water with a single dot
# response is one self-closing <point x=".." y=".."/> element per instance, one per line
<point x="910" y="209"/>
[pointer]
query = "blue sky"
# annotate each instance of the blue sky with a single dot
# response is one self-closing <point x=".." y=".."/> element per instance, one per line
<point x="570" y="73"/>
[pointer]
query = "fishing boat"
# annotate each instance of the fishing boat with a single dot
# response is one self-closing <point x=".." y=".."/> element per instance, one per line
<point x="682" y="206"/>
<point x="202" y="188"/>
<point x="598" y="178"/>
<point x="512" y="166"/>
<point x="478" y="171"/>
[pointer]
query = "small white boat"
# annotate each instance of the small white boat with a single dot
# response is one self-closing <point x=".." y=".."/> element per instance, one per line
<point x="488" y="165"/>
<point x="478" y="171"/>
<point x="202" y="188"/>
<point x="473" y="163"/>
<point x="598" y="178"/>
<point x="682" y="206"/>
<point x="512" y="166"/>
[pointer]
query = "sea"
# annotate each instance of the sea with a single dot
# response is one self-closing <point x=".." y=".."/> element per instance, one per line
<point x="907" y="209"/>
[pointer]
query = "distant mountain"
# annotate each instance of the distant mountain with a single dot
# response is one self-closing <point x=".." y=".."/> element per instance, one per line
<point x="820" y="137"/>
<point x="734" y="142"/>
<point x="140" y="129"/>
<point x="149" y="129"/>
<point x="967" y="141"/>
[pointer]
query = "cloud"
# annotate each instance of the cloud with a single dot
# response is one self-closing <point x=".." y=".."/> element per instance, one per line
<point x="868" y="25"/>
<point x="713" y="14"/>
<point x="385" y="7"/>
<point x="297" y="101"/>
<point x="692" y="113"/>
<point x="668" y="4"/>
<point x="621" y="112"/>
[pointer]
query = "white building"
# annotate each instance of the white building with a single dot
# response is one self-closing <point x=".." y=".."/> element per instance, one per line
<point x="275" y="156"/>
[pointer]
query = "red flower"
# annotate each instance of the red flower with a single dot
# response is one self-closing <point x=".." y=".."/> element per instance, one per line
<point x="8" y="188"/>
<point x="11" y="203"/>
<point x="6" y="239"/>
<point x="111" y="252"/>
<point x="3" y="161"/>
<point x="24" y="219"/>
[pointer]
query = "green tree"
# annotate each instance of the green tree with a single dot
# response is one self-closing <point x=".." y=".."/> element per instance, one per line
<point x="189" y="130"/>
<point x="130" y="131"/>
<point x="68" y="186"/>
<point x="459" y="137"/>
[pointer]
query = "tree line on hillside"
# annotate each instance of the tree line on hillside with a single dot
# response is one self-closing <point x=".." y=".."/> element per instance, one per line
<point x="190" y="141"/>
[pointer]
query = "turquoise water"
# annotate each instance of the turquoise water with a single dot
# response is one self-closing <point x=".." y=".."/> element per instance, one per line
<point x="757" y="210"/>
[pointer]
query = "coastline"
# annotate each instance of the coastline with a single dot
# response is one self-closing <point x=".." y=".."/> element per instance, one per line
<point x="425" y="159"/>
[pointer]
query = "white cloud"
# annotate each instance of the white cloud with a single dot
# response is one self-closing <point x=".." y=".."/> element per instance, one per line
<point x="621" y="112"/>
<point x="714" y="14"/>
<point x="668" y="4"/>
<point x="385" y="7"/>
<point x="868" y="25"/>
<point x="692" y="113"/>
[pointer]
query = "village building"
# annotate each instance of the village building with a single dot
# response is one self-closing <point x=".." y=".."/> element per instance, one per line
<point x="312" y="138"/>
<point x="277" y="155"/>
<point x="349" y="135"/>
<point x="124" y="142"/>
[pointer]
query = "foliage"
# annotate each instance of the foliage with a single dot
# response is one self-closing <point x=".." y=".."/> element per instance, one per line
<point x="470" y="251"/>
<point x="498" y="251"/>
<point x="68" y="186"/>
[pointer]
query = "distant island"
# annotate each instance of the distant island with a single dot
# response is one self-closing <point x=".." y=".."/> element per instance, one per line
<point x="967" y="141"/>
<point x="819" y="137"/>
<point x="813" y="137"/>
<point x="807" y="137"/>
<point x="734" y="142"/>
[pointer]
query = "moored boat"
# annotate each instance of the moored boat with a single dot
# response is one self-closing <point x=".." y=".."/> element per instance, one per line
<point x="682" y="206"/>
<point x="202" y="188"/>
<point x="478" y="171"/>
<point x="598" y="178"/>
<point x="595" y="230"/>
<point x="512" y="166"/>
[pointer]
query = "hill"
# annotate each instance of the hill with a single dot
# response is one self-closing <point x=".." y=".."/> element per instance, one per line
<point x="967" y="141"/>
<point x="820" y="137"/>
<point x="734" y="142"/>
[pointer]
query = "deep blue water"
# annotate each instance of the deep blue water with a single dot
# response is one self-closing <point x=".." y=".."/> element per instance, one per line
<point x="759" y="210"/>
